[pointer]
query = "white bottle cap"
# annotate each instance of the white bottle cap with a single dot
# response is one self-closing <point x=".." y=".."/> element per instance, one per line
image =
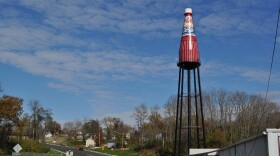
<point x="188" y="10"/>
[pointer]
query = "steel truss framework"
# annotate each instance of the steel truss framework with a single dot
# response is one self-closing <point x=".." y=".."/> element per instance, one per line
<point x="185" y="101"/>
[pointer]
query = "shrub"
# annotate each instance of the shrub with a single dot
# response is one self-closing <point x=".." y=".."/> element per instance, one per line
<point x="7" y="147"/>
<point x="167" y="150"/>
<point x="164" y="151"/>
<point x="150" y="144"/>
<point x="137" y="148"/>
<point x="33" y="146"/>
<point x="72" y="142"/>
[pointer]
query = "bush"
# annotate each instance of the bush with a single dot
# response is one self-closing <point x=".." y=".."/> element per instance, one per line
<point x="164" y="151"/>
<point x="7" y="147"/>
<point x="33" y="146"/>
<point x="72" y="142"/>
<point x="136" y="148"/>
<point x="150" y="144"/>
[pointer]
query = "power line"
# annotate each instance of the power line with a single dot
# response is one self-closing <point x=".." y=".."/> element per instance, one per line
<point x="272" y="58"/>
<point x="268" y="81"/>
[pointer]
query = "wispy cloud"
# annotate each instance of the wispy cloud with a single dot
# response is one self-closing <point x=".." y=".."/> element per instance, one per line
<point x="99" y="66"/>
<point x="60" y="21"/>
<point x="102" y="74"/>
<point x="28" y="39"/>
<point x="244" y="76"/>
<point x="215" y="69"/>
<point x="151" y="17"/>
<point x="123" y="17"/>
<point x="235" y="18"/>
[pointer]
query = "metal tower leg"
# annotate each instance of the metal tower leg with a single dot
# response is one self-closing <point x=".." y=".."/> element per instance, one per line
<point x="189" y="112"/>
<point x="181" y="111"/>
<point x="201" y="108"/>
<point x="177" y="112"/>
<point x="196" y="110"/>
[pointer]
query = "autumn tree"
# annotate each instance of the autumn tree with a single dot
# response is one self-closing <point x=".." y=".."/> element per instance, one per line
<point x="54" y="127"/>
<point x="39" y="117"/>
<point x="140" y="115"/>
<point x="119" y="131"/>
<point x="23" y="126"/>
<point x="156" y="128"/>
<point x="170" y="114"/>
<point x="108" y="122"/>
<point x="68" y="128"/>
<point x="91" y="128"/>
<point x="112" y="124"/>
<point x="233" y="116"/>
<point x="115" y="129"/>
<point x="72" y="128"/>
<point x="10" y="111"/>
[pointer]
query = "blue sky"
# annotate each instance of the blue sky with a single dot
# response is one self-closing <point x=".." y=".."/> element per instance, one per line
<point x="90" y="59"/>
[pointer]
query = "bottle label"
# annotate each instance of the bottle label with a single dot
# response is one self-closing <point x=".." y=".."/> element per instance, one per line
<point x="188" y="26"/>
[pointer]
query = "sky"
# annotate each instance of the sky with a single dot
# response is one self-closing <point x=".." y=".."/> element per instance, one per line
<point x="96" y="58"/>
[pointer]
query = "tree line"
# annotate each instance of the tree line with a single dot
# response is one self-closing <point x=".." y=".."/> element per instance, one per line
<point x="16" y="126"/>
<point x="229" y="116"/>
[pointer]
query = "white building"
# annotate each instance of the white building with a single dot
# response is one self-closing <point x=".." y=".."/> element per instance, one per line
<point x="265" y="144"/>
<point x="48" y="135"/>
<point x="111" y="144"/>
<point x="90" y="142"/>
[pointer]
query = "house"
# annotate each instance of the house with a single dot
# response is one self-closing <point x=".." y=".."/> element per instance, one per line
<point x="111" y="144"/>
<point x="79" y="135"/>
<point x="90" y="142"/>
<point x="48" y="135"/>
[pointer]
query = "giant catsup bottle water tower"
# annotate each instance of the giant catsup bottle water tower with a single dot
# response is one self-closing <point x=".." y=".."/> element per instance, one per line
<point x="188" y="53"/>
<point x="193" y="122"/>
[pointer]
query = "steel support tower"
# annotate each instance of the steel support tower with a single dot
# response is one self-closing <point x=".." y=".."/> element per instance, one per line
<point x="189" y="127"/>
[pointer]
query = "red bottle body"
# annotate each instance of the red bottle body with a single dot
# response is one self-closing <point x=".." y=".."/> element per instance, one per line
<point x="188" y="52"/>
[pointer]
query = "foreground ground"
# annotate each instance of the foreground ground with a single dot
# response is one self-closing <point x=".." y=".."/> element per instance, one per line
<point x="76" y="152"/>
<point x="116" y="152"/>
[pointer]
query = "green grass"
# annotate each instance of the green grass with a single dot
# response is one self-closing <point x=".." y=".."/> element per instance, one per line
<point x="117" y="152"/>
<point x="56" y="152"/>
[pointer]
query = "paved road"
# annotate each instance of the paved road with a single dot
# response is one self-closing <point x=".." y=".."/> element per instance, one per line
<point x="76" y="152"/>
